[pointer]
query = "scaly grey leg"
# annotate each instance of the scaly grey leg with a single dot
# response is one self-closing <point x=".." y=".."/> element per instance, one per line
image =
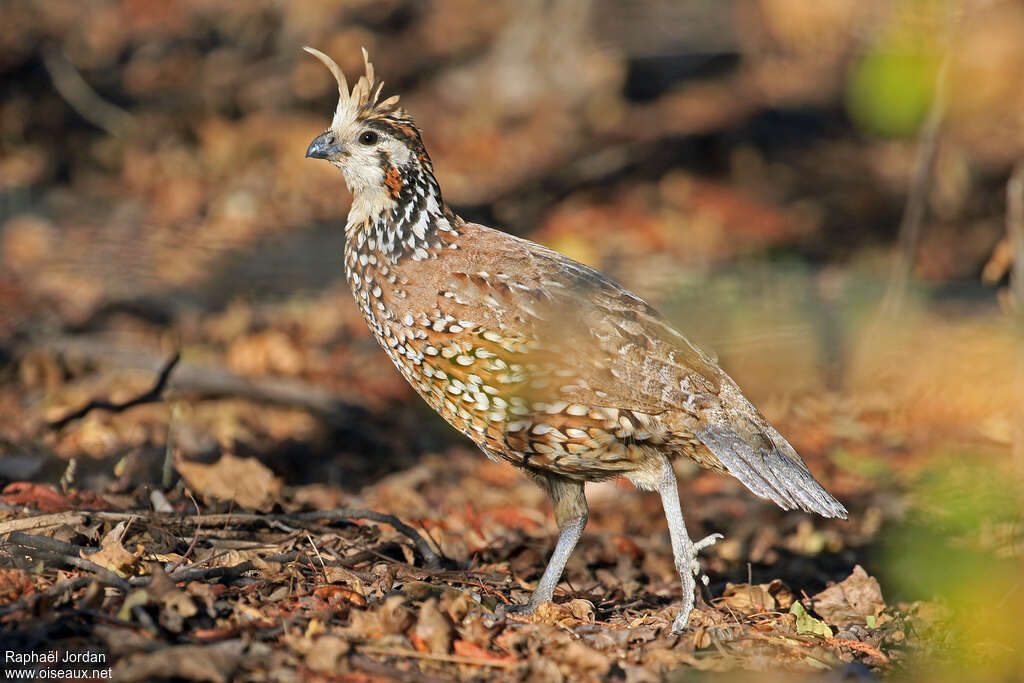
<point x="684" y="550"/>
<point x="571" y="516"/>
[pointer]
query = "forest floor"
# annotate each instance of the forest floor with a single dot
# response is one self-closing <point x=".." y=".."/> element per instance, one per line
<point x="248" y="526"/>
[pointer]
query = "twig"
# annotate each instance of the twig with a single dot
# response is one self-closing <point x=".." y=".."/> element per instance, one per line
<point x="153" y="395"/>
<point x="859" y="646"/>
<point x="209" y="381"/>
<point x="203" y="573"/>
<point x="320" y="557"/>
<point x="195" y="537"/>
<point x="43" y="543"/>
<point x="389" y="673"/>
<point x="917" y="196"/>
<point x="71" y="518"/>
<point x="44" y="546"/>
<point x="82" y="98"/>
<point x="452" y="659"/>
<point x="432" y="558"/>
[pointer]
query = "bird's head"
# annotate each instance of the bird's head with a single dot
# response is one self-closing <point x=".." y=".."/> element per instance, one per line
<point x="374" y="142"/>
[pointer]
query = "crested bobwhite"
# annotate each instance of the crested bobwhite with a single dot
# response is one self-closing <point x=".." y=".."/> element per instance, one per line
<point x="538" y="359"/>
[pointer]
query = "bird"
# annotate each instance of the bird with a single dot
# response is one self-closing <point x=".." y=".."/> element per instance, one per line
<point x="541" y="361"/>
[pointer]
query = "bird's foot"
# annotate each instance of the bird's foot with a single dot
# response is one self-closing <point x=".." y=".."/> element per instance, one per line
<point x="687" y="572"/>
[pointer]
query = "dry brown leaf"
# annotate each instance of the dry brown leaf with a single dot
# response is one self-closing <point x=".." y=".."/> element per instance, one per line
<point x="465" y="648"/>
<point x="246" y="481"/>
<point x="755" y="599"/>
<point x="433" y="629"/>
<point x="15" y="584"/>
<point x="387" y="618"/>
<point x="214" y="663"/>
<point x="581" y="609"/>
<point x="175" y="604"/>
<point x="851" y="600"/>
<point x="43" y="498"/>
<point x="113" y="555"/>
<point x="553" y="615"/>
<point x="580" y="660"/>
<point x="325" y="653"/>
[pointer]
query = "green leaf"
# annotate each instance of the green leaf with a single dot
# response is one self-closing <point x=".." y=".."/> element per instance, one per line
<point x="805" y="623"/>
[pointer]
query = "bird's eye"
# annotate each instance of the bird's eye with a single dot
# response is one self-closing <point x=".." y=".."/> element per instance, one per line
<point x="368" y="137"/>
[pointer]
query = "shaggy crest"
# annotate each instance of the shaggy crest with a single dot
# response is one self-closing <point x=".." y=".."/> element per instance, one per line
<point x="363" y="99"/>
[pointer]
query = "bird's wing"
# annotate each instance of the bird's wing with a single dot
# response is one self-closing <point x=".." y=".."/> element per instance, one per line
<point x="615" y="351"/>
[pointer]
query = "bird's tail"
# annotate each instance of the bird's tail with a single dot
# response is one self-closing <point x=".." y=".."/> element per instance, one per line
<point x="754" y="452"/>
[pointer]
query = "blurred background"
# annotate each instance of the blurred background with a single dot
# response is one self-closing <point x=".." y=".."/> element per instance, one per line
<point x="817" y="192"/>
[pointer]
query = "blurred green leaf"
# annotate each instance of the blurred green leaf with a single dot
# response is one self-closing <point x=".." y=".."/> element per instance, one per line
<point x="805" y="623"/>
<point x="889" y="93"/>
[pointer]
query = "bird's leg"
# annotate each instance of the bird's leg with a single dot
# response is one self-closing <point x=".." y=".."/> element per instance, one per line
<point x="571" y="516"/>
<point x="684" y="550"/>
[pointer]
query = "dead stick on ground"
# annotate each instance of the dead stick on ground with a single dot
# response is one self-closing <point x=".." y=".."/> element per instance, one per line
<point x="432" y="559"/>
<point x="195" y="537"/>
<point x="208" y="381"/>
<point x="453" y="659"/>
<point x="430" y="556"/>
<point x="70" y="518"/>
<point x="47" y="549"/>
<point x="389" y="673"/>
<point x="153" y="395"/>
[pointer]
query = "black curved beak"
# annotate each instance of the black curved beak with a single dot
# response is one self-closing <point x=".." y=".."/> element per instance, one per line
<point x="325" y="146"/>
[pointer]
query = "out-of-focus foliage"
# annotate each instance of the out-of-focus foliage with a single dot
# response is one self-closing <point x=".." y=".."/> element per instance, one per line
<point x="962" y="544"/>
<point x="893" y="84"/>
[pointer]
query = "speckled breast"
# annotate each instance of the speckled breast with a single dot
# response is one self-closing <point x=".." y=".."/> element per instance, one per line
<point x="503" y="392"/>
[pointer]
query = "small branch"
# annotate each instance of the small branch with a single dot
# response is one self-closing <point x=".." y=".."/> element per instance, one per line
<point x="49" y="548"/>
<point x="71" y="518"/>
<point x="153" y="395"/>
<point x="43" y="543"/>
<point x="195" y="537"/>
<point x="389" y="673"/>
<point x="207" y="381"/>
<point x="431" y="557"/>
<point x="917" y="196"/>
<point x="82" y="98"/>
<point x="453" y="659"/>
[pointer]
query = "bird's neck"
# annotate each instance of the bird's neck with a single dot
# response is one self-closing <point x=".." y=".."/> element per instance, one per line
<point x="401" y="218"/>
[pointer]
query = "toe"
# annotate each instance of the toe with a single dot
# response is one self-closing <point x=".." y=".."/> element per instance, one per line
<point x="707" y="541"/>
<point x="524" y="609"/>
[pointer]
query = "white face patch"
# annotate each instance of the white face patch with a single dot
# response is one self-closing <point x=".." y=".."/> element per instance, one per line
<point x="362" y="164"/>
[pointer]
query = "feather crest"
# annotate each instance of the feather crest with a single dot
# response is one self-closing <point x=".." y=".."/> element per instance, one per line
<point x="364" y="97"/>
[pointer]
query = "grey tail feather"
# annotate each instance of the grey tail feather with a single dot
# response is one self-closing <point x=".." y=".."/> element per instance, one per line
<point x="772" y="471"/>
